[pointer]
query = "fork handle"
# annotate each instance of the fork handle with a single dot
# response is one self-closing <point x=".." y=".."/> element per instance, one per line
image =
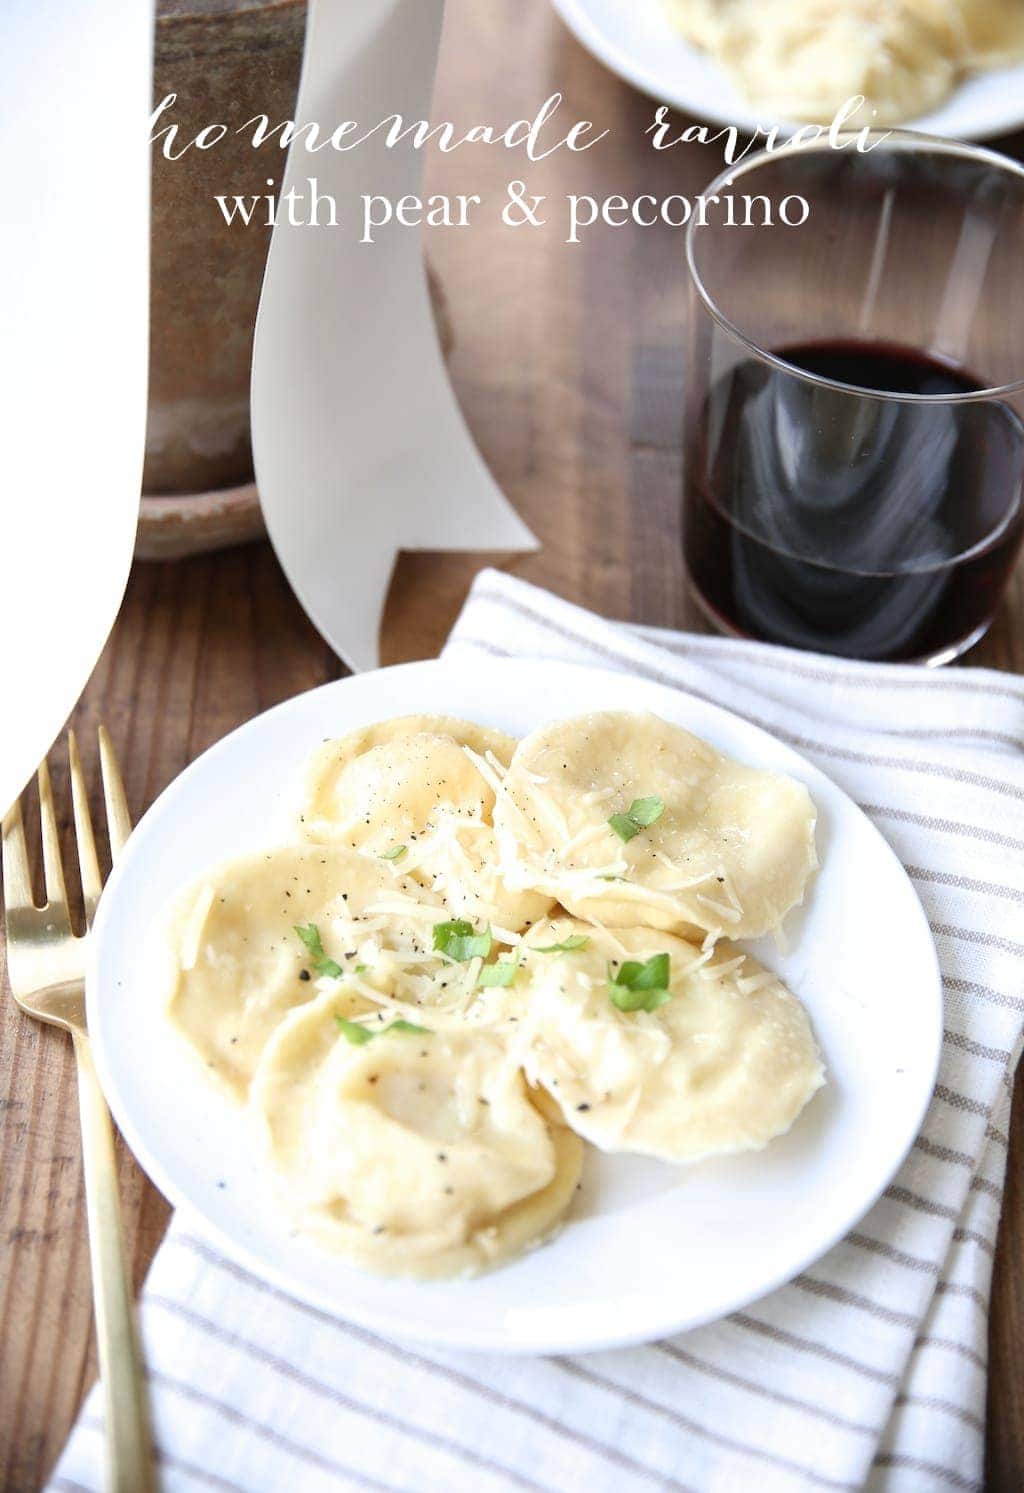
<point x="129" y="1452"/>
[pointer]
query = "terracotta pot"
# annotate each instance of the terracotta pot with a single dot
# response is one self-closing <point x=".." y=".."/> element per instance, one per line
<point x="226" y="60"/>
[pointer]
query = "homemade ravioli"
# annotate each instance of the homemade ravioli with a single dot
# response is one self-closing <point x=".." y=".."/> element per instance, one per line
<point x="413" y="1152"/>
<point x="629" y="820"/>
<point x="719" y="1058"/>
<point x="700" y="21"/>
<point x="410" y="790"/>
<point x="241" y="966"/>
<point x="804" y="61"/>
<point x="423" y="1045"/>
<point x="995" y="31"/>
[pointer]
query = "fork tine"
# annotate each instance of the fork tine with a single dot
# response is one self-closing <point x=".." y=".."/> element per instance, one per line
<point x="17" y="880"/>
<point x="119" y="821"/>
<point x="56" y="893"/>
<point x="92" y="881"/>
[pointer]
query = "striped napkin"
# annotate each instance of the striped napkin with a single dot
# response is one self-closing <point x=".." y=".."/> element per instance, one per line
<point x="868" y="1370"/>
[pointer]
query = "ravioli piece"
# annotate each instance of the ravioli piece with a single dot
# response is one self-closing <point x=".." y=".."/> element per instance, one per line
<point x="803" y="61"/>
<point x="725" y="849"/>
<point x="995" y="32"/>
<point x="240" y="966"/>
<point x="414" y="1152"/>
<point x="699" y="21"/>
<point x="408" y="789"/>
<point x="724" y="1061"/>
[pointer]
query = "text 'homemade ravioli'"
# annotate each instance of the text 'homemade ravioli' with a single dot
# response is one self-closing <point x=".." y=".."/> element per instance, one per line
<point x="647" y="1044"/>
<point x="409" y="1150"/>
<point x="409" y="790"/>
<point x="628" y="820"/>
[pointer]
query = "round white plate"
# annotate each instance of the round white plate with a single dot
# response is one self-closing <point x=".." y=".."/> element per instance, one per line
<point x="638" y="41"/>
<point x="648" y="1249"/>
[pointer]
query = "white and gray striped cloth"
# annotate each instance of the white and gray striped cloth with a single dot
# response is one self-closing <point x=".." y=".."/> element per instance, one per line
<point x="869" y="1370"/>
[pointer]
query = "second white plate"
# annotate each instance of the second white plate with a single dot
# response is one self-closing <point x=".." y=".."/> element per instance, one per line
<point x="639" y="42"/>
<point x="648" y="1249"/>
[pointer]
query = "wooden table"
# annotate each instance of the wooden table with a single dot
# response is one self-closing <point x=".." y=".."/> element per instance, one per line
<point x="568" y="363"/>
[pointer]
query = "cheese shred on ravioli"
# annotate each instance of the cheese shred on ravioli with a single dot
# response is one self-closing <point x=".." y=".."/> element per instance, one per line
<point x="412" y="1152"/>
<point x="648" y="1044"/>
<point x="629" y="820"/>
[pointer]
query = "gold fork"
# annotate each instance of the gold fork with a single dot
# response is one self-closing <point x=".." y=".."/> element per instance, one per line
<point x="46" y="967"/>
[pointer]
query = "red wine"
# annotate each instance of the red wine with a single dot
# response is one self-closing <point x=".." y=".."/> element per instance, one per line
<point x="820" y="516"/>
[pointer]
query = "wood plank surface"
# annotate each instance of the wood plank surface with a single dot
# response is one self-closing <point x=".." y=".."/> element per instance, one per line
<point x="569" y="363"/>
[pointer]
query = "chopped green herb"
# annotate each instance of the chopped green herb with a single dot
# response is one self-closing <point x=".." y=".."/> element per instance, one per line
<point x="310" y="936"/>
<point x="458" y="940"/>
<point x="646" y="811"/>
<point x="503" y="972"/>
<point x="576" y="941"/>
<point x="353" y="1032"/>
<point x="640" y="987"/>
<point x="394" y="853"/>
<point x="624" y="828"/>
<point x="359" y="1035"/>
<point x="641" y="813"/>
<point x="361" y="969"/>
<point x="309" y="933"/>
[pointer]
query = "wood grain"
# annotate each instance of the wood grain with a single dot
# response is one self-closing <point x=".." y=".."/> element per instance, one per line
<point x="568" y="361"/>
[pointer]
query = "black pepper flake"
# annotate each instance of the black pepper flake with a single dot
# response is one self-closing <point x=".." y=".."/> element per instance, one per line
<point x="582" y="1107"/>
<point x="304" y="974"/>
<point x="379" y="1229"/>
<point x="442" y="1155"/>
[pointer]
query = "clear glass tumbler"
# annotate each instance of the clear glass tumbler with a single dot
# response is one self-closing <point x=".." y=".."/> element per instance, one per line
<point x="854" y="444"/>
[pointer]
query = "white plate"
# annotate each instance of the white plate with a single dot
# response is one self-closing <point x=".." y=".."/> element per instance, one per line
<point x="637" y="40"/>
<point x="648" y="1249"/>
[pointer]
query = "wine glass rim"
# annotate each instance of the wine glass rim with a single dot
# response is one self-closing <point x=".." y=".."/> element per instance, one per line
<point x="902" y="140"/>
